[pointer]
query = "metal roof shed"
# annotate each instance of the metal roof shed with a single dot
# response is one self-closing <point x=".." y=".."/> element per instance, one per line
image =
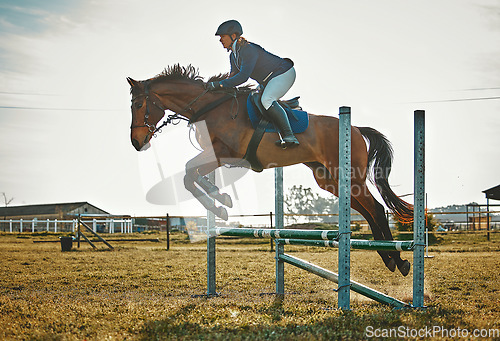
<point x="492" y="193"/>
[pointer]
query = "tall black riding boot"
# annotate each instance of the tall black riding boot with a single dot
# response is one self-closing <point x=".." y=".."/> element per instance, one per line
<point x="279" y="117"/>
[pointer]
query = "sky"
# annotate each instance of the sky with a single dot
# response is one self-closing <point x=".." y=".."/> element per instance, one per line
<point x="65" y="103"/>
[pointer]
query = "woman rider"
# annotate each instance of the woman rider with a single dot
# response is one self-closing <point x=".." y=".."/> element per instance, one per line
<point x="248" y="60"/>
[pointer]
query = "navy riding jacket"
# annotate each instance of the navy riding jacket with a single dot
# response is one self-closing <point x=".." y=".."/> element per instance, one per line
<point x="252" y="61"/>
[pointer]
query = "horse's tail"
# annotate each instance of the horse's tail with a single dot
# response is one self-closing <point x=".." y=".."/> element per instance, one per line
<point x="380" y="160"/>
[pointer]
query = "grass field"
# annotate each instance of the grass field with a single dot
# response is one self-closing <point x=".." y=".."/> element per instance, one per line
<point x="140" y="291"/>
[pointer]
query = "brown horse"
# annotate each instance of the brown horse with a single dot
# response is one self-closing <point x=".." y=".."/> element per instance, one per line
<point x="181" y="90"/>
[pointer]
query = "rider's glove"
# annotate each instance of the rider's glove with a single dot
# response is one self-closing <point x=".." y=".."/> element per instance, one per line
<point x="212" y="86"/>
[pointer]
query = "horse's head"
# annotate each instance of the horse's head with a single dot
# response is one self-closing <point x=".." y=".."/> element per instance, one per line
<point x="147" y="111"/>
<point x="179" y="89"/>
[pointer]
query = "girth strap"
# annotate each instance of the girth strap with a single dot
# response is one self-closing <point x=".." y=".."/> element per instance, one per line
<point x="251" y="153"/>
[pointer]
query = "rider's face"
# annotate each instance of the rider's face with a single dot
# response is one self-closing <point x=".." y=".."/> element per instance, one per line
<point x="226" y="41"/>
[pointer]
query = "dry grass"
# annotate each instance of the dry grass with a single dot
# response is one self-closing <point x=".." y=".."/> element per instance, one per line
<point x="141" y="291"/>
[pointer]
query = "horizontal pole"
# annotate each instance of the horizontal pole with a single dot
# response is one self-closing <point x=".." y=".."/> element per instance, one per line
<point x="39" y="221"/>
<point x="355" y="286"/>
<point x="383" y="245"/>
<point x="104" y="216"/>
<point x="154" y="240"/>
<point x="275" y="233"/>
<point x="466" y="212"/>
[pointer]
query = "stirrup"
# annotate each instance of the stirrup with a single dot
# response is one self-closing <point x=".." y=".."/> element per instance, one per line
<point x="283" y="143"/>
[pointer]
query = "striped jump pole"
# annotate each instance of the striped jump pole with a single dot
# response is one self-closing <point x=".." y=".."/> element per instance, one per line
<point x="312" y="238"/>
<point x="359" y="244"/>
<point x="277" y="233"/>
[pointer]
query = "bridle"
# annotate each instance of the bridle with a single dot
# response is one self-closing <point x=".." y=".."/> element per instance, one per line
<point x="172" y="118"/>
<point x="177" y="117"/>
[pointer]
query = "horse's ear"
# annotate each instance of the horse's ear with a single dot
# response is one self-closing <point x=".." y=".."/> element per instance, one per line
<point x="132" y="82"/>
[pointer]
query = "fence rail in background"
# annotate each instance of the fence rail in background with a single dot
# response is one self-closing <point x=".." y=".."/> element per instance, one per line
<point x="56" y="225"/>
<point x="130" y="225"/>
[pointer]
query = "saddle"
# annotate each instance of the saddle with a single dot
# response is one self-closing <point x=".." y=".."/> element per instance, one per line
<point x="299" y="121"/>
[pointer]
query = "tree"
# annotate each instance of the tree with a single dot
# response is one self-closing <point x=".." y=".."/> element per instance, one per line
<point x="5" y="200"/>
<point x="302" y="200"/>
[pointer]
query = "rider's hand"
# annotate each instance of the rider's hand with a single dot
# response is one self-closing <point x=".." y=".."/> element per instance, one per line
<point x="212" y="86"/>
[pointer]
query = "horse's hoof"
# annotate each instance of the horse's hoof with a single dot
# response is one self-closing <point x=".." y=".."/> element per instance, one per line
<point x="226" y="200"/>
<point x="222" y="213"/>
<point x="404" y="268"/>
<point x="391" y="265"/>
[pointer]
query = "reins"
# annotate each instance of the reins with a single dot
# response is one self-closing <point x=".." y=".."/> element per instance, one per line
<point x="177" y="117"/>
<point x="213" y="105"/>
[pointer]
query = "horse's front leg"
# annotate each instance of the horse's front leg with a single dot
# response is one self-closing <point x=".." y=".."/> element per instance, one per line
<point x="214" y="191"/>
<point x="196" y="168"/>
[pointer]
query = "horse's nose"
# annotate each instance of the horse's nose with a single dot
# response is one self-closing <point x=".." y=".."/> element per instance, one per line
<point x="136" y="144"/>
<point x="141" y="146"/>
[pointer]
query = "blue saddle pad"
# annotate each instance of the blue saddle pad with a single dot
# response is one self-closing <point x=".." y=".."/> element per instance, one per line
<point x="299" y="120"/>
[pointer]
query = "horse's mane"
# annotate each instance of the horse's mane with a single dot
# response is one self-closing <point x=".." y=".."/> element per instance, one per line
<point x="178" y="72"/>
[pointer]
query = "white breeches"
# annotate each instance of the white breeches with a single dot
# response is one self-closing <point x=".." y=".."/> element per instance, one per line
<point x="277" y="87"/>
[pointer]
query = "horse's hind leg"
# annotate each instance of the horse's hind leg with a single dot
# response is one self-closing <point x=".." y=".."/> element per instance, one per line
<point x="389" y="262"/>
<point x="403" y="265"/>
<point x="388" y="258"/>
<point x="375" y="215"/>
<point x="328" y="183"/>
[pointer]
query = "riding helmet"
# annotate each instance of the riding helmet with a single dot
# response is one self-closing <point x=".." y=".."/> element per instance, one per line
<point x="229" y="27"/>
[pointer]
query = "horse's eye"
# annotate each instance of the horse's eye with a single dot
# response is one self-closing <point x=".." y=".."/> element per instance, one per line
<point x="138" y="105"/>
